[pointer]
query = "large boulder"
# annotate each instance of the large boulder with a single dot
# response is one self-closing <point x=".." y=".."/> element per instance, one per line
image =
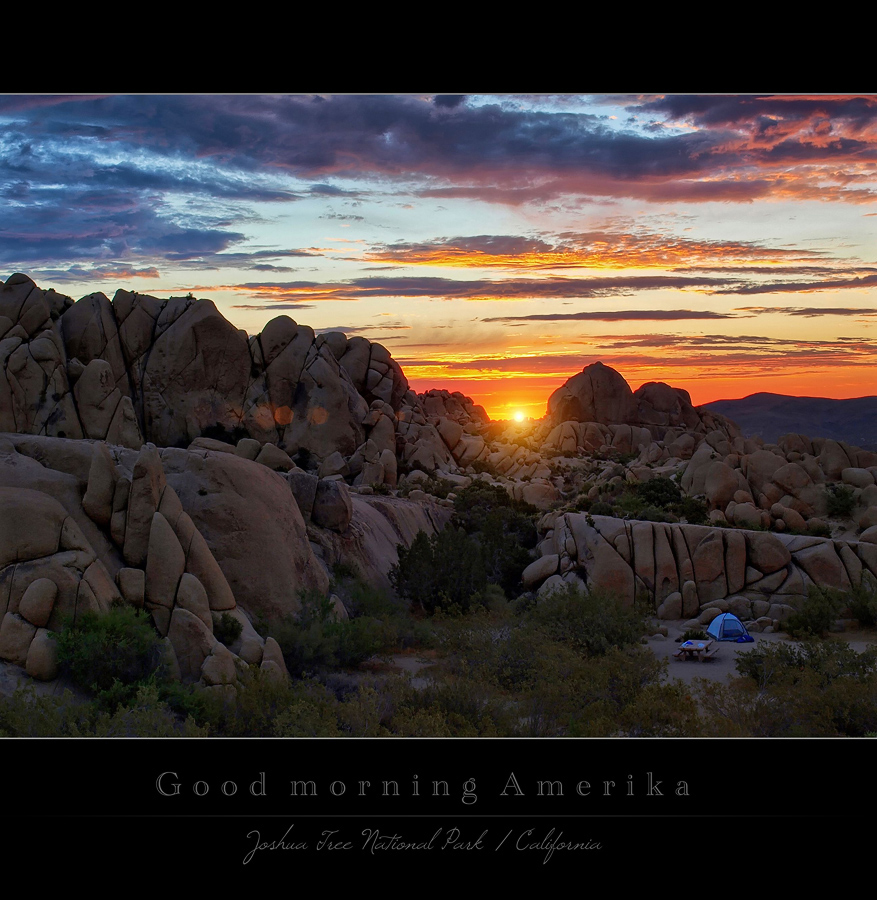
<point x="250" y="521"/>
<point x="597" y="394"/>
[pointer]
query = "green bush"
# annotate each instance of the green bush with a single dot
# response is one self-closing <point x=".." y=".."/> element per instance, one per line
<point x="475" y="503"/>
<point x="25" y="714"/>
<point x="314" y="640"/>
<point x="862" y="601"/>
<point x="602" y="508"/>
<point x="99" y="650"/>
<point x="694" y="511"/>
<point x="659" y="491"/>
<point x="226" y="628"/>
<point x="480" y="466"/>
<point x="840" y="500"/>
<point x="771" y="664"/>
<point x="693" y="634"/>
<point x="438" y="487"/>
<point x="816" y="614"/>
<point x="592" y="624"/>
<point x="439" y="572"/>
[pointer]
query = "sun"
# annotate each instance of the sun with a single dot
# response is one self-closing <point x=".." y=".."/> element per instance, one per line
<point x="519" y="416"/>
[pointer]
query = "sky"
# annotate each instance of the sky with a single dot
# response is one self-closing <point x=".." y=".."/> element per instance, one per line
<point x="495" y="244"/>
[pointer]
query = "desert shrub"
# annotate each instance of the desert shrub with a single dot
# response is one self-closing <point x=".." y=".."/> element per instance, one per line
<point x="840" y="500"/>
<point x="653" y="514"/>
<point x="818" y="528"/>
<point x="592" y="624"/>
<point x="309" y="710"/>
<point x="659" y="491"/>
<point x="25" y="714"/>
<point x="314" y="640"/>
<point x="629" y="503"/>
<point x="693" y="510"/>
<point x="693" y="634"/>
<point x="255" y="707"/>
<point x="99" y="650"/>
<point x="602" y="508"/>
<point x="816" y="614"/>
<point x="661" y="710"/>
<point x="226" y="628"/>
<point x="480" y="466"/>
<point x="439" y="571"/>
<point x="862" y="601"/>
<point x="453" y="707"/>
<point x="475" y="503"/>
<point x="816" y="688"/>
<point x="146" y="714"/>
<point x="769" y="664"/>
<point x="438" y="487"/>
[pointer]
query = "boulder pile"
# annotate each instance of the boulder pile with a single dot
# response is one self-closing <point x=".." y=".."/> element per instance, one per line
<point x="153" y="454"/>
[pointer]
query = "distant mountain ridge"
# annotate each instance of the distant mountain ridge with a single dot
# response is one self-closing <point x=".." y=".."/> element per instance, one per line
<point x="770" y="415"/>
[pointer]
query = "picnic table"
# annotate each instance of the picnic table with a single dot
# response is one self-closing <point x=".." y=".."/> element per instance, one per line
<point x="696" y="650"/>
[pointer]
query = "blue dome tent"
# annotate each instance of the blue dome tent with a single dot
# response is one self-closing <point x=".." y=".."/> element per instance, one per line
<point x="727" y="627"/>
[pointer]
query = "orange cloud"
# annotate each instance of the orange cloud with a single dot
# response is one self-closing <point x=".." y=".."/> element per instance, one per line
<point x="599" y="249"/>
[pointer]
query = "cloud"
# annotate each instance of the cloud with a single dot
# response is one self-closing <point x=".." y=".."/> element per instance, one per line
<point x="449" y="101"/>
<point x="69" y="224"/>
<point x="619" y="316"/>
<point x="481" y="289"/>
<point x="356" y="329"/>
<point x="273" y="306"/>
<point x="108" y="272"/>
<point x="797" y="287"/>
<point x="810" y="311"/>
<point x="603" y="248"/>
<point x="720" y="149"/>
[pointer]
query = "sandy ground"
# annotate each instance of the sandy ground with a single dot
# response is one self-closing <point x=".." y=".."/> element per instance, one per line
<point x="722" y="667"/>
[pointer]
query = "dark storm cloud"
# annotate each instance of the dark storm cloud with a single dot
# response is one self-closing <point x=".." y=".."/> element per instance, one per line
<point x="379" y="134"/>
<point x="500" y="151"/>
<point x="449" y="101"/>
<point x="716" y="111"/>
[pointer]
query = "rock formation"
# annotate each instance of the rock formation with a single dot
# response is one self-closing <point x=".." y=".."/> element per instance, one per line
<point x="695" y="572"/>
<point x="153" y="454"/>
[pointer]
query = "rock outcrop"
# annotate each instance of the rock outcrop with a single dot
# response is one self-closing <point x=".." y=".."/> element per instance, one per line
<point x="180" y="533"/>
<point x="138" y="369"/>
<point x="155" y="455"/>
<point x="694" y="572"/>
<point x="599" y="394"/>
